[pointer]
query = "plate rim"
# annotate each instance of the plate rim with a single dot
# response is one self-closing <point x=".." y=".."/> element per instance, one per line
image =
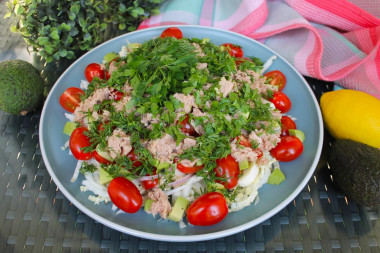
<point x="183" y="238"/>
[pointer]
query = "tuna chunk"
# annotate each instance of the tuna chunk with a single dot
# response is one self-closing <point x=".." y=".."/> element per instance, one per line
<point x="163" y="149"/>
<point x="241" y="153"/>
<point x="147" y="120"/>
<point x="120" y="105"/>
<point x="226" y="86"/>
<point x="202" y="65"/>
<point x="266" y="141"/>
<point x="160" y="204"/>
<point x="87" y="105"/>
<point x="198" y="49"/>
<point x="119" y="143"/>
<point x="188" y="101"/>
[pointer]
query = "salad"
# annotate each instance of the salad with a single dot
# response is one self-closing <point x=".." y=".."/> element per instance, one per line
<point x="181" y="127"/>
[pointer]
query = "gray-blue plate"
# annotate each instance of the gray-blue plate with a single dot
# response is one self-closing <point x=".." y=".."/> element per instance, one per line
<point x="273" y="198"/>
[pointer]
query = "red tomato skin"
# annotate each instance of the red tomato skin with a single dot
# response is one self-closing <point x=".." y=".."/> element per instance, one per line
<point x="173" y="32"/>
<point x="186" y="169"/>
<point x="70" y="98"/>
<point x="287" y="123"/>
<point x="149" y="184"/>
<point x="233" y="50"/>
<point x="208" y="209"/>
<point x="288" y="149"/>
<point x="186" y="127"/>
<point x="278" y="79"/>
<point x="78" y="141"/>
<point x="125" y="195"/>
<point x="117" y="95"/>
<point x="281" y="101"/>
<point x="100" y="159"/>
<point x="92" y="70"/>
<point x="134" y="158"/>
<point x="227" y="167"/>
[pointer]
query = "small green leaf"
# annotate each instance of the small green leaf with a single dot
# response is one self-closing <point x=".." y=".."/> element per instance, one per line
<point x="19" y="9"/>
<point x="43" y="40"/>
<point x="72" y="15"/>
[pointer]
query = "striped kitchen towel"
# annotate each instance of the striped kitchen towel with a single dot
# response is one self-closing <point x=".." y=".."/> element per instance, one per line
<point x="333" y="40"/>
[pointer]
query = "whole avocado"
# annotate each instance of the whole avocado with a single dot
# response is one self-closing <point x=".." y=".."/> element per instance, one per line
<point x="355" y="168"/>
<point x="21" y="87"/>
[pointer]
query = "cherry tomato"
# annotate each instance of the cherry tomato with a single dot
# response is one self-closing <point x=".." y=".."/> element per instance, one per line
<point x="186" y="127"/>
<point x="100" y="158"/>
<point x="149" y="184"/>
<point x="92" y="70"/>
<point x="78" y="141"/>
<point x="125" y="195"/>
<point x="134" y="158"/>
<point x="233" y="50"/>
<point x="288" y="149"/>
<point x="186" y="169"/>
<point x="276" y="78"/>
<point x="173" y="32"/>
<point x="227" y="168"/>
<point x="207" y="210"/>
<point x="287" y="123"/>
<point x="70" y="98"/>
<point x="117" y="95"/>
<point x="281" y="101"/>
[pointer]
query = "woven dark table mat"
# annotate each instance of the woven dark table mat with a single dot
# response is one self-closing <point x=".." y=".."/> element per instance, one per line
<point x="36" y="217"/>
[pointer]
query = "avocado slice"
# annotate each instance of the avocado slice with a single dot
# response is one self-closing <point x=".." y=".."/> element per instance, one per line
<point x="104" y="176"/>
<point x="69" y="127"/>
<point x="355" y="168"/>
<point x="178" y="210"/>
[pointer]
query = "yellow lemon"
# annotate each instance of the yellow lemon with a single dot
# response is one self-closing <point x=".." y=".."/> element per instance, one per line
<point x="351" y="114"/>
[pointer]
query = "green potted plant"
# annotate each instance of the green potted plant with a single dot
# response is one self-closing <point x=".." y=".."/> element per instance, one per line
<point x="61" y="31"/>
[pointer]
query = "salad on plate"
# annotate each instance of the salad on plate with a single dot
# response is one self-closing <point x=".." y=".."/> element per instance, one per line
<point x="181" y="127"/>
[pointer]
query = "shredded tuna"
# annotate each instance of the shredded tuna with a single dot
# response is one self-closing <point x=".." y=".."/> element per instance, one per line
<point x="259" y="83"/>
<point x="147" y="120"/>
<point x="87" y="105"/>
<point x="202" y="65"/>
<point x="104" y="116"/>
<point x="242" y="77"/>
<point x="198" y="113"/>
<point x="267" y="141"/>
<point x="160" y="204"/>
<point x="198" y="49"/>
<point x="189" y="163"/>
<point x="163" y="149"/>
<point x="226" y="86"/>
<point x="119" y="105"/>
<point x="188" y="101"/>
<point x="119" y="143"/>
<point x="241" y="153"/>
<point x="188" y="143"/>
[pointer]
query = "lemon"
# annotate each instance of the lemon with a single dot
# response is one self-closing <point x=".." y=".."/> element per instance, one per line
<point x="353" y="115"/>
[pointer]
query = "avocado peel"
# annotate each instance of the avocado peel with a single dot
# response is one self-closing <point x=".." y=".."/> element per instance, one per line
<point x="355" y="168"/>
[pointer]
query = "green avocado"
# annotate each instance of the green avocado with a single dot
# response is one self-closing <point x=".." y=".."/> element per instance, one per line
<point x="21" y="87"/>
<point x="356" y="170"/>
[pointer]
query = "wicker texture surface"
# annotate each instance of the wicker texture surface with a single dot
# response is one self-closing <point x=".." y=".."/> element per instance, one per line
<point x="36" y="217"/>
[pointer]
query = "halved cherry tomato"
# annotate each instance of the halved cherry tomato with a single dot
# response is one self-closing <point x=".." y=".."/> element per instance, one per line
<point x="233" y="50"/>
<point x="276" y="78"/>
<point x="287" y="123"/>
<point x="244" y="142"/>
<point x="288" y="149"/>
<point x="227" y="168"/>
<point x="100" y="158"/>
<point x="134" y="158"/>
<point x="125" y="195"/>
<point x="77" y="142"/>
<point x="173" y="32"/>
<point x="92" y="70"/>
<point x="117" y="95"/>
<point x="186" y="127"/>
<point x="149" y="184"/>
<point x="70" y="98"/>
<point x="207" y="210"/>
<point x="281" y="101"/>
<point x="186" y="169"/>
